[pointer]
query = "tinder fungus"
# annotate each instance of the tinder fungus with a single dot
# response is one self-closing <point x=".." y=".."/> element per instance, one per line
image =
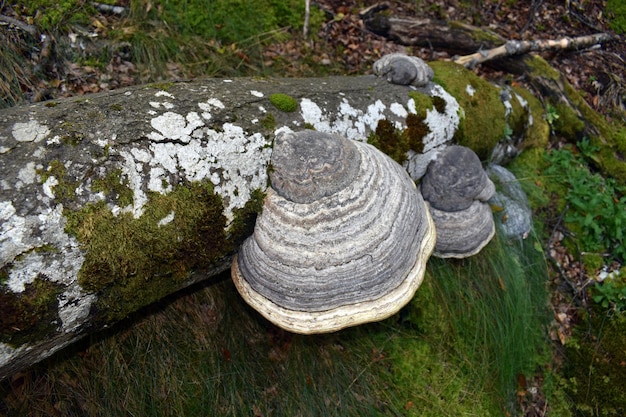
<point x="403" y="70"/>
<point x="343" y="237"/>
<point x="456" y="189"/>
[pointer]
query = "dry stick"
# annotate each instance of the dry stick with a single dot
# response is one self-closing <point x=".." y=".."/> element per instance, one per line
<point x="307" y="12"/>
<point x="521" y="47"/>
<point x="19" y="24"/>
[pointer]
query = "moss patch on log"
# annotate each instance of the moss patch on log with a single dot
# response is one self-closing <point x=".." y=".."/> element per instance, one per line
<point x="284" y="102"/>
<point x="131" y="262"/>
<point x="483" y="123"/>
<point x="31" y="314"/>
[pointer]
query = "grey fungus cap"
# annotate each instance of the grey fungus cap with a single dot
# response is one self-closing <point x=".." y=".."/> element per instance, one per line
<point x="343" y="238"/>
<point x="456" y="189"/>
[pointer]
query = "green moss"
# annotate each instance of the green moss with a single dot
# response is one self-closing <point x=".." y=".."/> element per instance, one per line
<point x="50" y="16"/>
<point x="245" y="218"/>
<point x="592" y="262"/>
<point x="161" y="86"/>
<point x="116" y="107"/>
<point x="537" y="128"/>
<point x="479" y="35"/>
<point x="596" y="367"/>
<point x="617" y="15"/>
<point x="284" y="102"/>
<point x="439" y="103"/>
<point x="540" y="67"/>
<point x="568" y="124"/>
<point x="31" y="314"/>
<point x="132" y="262"/>
<point x="389" y="140"/>
<point x="415" y="131"/>
<point x="608" y="137"/>
<point x="269" y="122"/>
<point x="484" y="123"/>
<point x="51" y="104"/>
<point x="114" y="188"/>
<point x="423" y="103"/>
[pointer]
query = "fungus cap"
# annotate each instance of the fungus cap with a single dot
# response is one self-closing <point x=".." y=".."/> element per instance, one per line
<point x="456" y="189"/>
<point x="354" y="253"/>
<point x="455" y="179"/>
<point x="403" y="69"/>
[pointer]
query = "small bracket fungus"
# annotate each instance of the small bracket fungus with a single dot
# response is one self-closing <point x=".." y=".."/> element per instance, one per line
<point x="343" y="238"/>
<point x="456" y="189"/>
<point x="404" y="70"/>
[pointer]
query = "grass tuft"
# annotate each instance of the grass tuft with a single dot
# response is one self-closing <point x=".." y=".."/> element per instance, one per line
<point x="455" y="350"/>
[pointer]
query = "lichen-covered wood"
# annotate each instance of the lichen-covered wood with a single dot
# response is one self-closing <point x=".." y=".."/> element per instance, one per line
<point x="112" y="201"/>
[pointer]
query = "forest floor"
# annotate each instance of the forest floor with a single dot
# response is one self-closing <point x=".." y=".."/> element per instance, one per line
<point x="598" y="72"/>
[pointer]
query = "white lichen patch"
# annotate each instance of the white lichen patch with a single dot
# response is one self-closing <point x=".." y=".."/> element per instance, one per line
<point x="31" y="131"/>
<point x="163" y="93"/>
<point x="256" y="93"/>
<point x="27" y="175"/>
<point x="37" y="246"/>
<point x="49" y="185"/>
<point x="470" y="90"/>
<point x="442" y="127"/>
<point x="210" y="105"/>
<point x="347" y="120"/>
<point x="174" y="126"/>
<point x="182" y="146"/>
<point x="167" y="219"/>
<point x="398" y="109"/>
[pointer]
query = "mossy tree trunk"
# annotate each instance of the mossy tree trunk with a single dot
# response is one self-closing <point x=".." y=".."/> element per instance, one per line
<point x="112" y="201"/>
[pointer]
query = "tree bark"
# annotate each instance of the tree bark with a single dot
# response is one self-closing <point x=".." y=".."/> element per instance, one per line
<point x="110" y="202"/>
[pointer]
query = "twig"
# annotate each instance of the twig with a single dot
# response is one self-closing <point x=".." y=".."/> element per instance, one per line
<point x="19" y="24"/>
<point x="307" y="13"/>
<point x="514" y="47"/>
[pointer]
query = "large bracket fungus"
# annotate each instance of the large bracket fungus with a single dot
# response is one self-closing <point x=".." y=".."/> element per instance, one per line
<point x="403" y="69"/>
<point x="343" y="238"/>
<point x="456" y="189"/>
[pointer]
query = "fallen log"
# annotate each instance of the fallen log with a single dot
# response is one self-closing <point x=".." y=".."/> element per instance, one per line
<point x="112" y="201"/>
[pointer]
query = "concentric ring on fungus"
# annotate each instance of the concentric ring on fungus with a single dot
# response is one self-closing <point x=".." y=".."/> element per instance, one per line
<point x="353" y="253"/>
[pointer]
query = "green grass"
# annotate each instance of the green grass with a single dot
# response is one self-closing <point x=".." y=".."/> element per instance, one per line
<point x="456" y="350"/>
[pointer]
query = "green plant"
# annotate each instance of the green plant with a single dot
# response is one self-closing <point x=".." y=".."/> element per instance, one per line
<point x="610" y="294"/>
<point x="53" y="15"/>
<point x="617" y="13"/>
<point x="552" y="114"/>
<point x="595" y="206"/>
